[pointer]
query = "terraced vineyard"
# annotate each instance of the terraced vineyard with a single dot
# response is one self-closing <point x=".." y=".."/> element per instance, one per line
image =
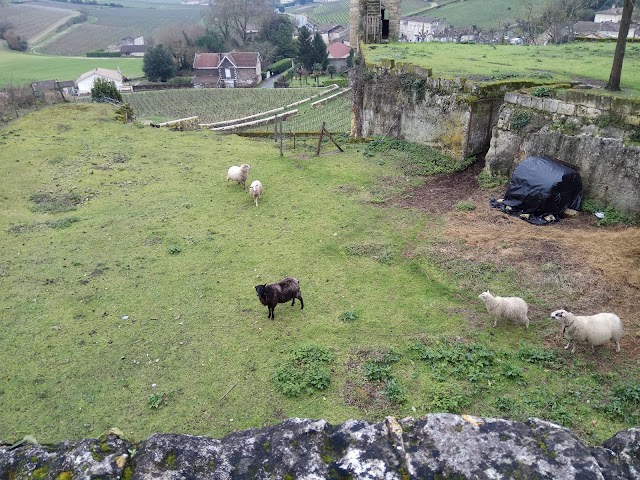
<point x="29" y="19"/>
<point x="108" y="25"/>
<point x="336" y="115"/>
<point x="338" y="12"/>
<point x="212" y="104"/>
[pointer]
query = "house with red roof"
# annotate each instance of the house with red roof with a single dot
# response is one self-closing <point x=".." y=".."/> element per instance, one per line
<point x="338" y="53"/>
<point x="227" y="70"/>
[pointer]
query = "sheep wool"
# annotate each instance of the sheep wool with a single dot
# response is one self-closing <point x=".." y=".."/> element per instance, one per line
<point x="255" y="189"/>
<point x="594" y="329"/>
<point x="239" y="174"/>
<point x="507" y="308"/>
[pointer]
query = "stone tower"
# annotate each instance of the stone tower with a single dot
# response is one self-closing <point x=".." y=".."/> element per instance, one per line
<point x="373" y="21"/>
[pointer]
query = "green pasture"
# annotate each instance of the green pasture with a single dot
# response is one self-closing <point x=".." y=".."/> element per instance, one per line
<point x="127" y="292"/>
<point x="20" y="69"/>
<point x="553" y="63"/>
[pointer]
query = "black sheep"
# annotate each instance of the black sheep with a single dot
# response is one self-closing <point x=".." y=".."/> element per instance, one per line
<point x="274" y="293"/>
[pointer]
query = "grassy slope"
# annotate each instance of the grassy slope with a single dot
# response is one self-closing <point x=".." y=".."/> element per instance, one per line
<point x="96" y="313"/>
<point x="22" y="68"/>
<point x="565" y="62"/>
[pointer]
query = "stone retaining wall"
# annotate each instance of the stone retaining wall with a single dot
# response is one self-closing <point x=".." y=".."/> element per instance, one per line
<point x="436" y="446"/>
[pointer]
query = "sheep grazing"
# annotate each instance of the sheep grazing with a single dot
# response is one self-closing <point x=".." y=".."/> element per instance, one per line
<point x="508" y="308"/>
<point x="595" y="329"/>
<point x="255" y="189"/>
<point x="280" y="292"/>
<point x="239" y="174"/>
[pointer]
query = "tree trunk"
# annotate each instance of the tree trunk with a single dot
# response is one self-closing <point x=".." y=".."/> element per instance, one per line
<point x="618" y="57"/>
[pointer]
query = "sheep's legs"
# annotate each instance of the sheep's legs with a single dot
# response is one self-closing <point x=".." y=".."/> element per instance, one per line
<point x="617" y="346"/>
<point x="495" y="322"/>
<point x="566" y="347"/>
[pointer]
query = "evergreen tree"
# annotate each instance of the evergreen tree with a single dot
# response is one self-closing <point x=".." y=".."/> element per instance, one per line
<point x="319" y="48"/>
<point x="158" y="65"/>
<point x="211" y="42"/>
<point x="104" y="90"/>
<point x="304" y="49"/>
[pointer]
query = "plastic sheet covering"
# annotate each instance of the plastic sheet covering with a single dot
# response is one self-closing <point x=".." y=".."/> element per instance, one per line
<point x="540" y="188"/>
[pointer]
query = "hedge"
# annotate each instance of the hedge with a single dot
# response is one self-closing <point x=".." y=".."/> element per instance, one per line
<point x="103" y="54"/>
<point x="279" y="66"/>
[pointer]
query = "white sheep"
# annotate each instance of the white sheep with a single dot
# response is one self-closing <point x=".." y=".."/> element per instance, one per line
<point x="595" y="329"/>
<point x="508" y="308"/>
<point x="256" y="190"/>
<point x="239" y="174"/>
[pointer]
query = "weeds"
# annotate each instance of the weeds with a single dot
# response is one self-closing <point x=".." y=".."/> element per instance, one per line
<point x="611" y="215"/>
<point x="465" y="205"/>
<point x="416" y="159"/>
<point x="349" y="316"/>
<point x="541" y="91"/>
<point x="304" y="371"/>
<point x="520" y="119"/>
<point x="55" y="203"/>
<point x="489" y="182"/>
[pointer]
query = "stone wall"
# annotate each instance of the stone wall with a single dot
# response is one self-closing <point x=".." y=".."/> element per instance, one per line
<point x="454" y="116"/>
<point x="436" y="446"/>
<point x="589" y="132"/>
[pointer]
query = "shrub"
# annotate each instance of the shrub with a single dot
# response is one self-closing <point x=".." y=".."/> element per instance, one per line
<point x="125" y="114"/>
<point x="520" y="119"/>
<point x="541" y="92"/>
<point x="279" y="66"/>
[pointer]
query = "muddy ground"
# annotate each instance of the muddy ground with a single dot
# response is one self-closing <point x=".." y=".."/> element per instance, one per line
<point x="596" y="269"/>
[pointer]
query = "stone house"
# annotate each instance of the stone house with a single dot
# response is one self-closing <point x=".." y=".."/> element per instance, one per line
<point x="338" y="53"/>
<point x="420" y="29"/>
<point x="227" y="70"/>
<point x="610" y="15"/>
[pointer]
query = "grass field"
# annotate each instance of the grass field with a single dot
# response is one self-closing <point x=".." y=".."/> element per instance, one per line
<point x="553" y="63"/>
<point x="127" y="292"/>
<point x="22" y="68"/>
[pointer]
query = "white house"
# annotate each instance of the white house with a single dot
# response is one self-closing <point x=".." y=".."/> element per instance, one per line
<point x="610" y="15"/>
<point x="420" y="29"/>
<point x="86" y="80"/>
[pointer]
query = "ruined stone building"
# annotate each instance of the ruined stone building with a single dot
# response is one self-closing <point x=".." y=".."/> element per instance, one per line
<point x="374" y="21"/>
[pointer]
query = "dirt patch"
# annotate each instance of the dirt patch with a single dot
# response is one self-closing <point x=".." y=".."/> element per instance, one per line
<point x="572" y="264"/>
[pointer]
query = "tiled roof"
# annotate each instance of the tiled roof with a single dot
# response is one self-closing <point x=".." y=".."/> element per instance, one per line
<point x="206" y="60"/>
<point x="244" y="59"/>
<point x="212" y="60"/>
<point x="338" y="50"/>
<point x="103" y="72"/>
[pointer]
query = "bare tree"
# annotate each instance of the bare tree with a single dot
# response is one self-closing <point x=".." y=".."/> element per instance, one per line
<point x="180" y="41"/>
<point x="618" y="56"/>
<point x="232" y="17"/>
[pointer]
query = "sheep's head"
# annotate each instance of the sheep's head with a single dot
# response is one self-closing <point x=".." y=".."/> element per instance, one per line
<point x="559" y="314"/>
<point x="484" y="296"/>
<point x="261" y="292"/>
<point x="245" y="167"/>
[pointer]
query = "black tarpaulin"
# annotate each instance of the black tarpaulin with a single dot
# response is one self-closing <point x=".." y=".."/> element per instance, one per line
<point x="540" y="187"/>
